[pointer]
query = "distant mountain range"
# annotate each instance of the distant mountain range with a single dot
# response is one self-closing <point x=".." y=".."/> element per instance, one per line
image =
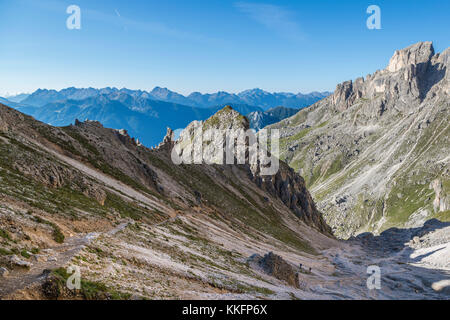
<point x="145" y="115"/>
<point x="8" y="102"/>
<point x="261" y="119"/>
<point x="143" y="118"/>
<point x="17" y="98"/>
<point x="254" y="97"/>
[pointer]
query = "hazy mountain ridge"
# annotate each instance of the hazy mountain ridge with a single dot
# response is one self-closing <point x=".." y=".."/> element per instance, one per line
<point x="261" y="119"/>
<point x="149" y="113"/>
<point x="8" y="102"/>
<point x="254" y="97"/>
<point x="18" y="97"/>
<point x="143" y="118"/>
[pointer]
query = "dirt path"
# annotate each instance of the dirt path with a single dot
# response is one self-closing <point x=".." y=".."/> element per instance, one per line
<point x="53" y="258"/>
<point x="172" y="219"/>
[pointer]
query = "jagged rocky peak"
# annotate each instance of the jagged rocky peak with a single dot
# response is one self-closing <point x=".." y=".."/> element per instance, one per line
<point x="413" y="55"/>
<point x="168" y="141"/>
<point x="223" y="120"/>
<point x="377" y="138"/>
<point x="88" y="122"/>
<point x="410" y="75"/>
<point x="227" y="118"/>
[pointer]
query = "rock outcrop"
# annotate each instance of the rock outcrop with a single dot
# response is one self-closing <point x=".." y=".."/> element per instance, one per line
<point x="168" y="141"/>
<point x="411" y="73"/>
<point x="441" y="201"/>
<point x="277" y="267"/>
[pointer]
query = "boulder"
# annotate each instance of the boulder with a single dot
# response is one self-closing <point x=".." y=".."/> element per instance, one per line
<point x="277" y="267"/>
<point x="15" y="260"/>
<point x="3" y="272"/>
<point x="39" y="258"/>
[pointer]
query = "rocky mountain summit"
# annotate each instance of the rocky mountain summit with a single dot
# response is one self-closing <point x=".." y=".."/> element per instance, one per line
<point x="403" y="85"/>
<point x="375" y="153"/>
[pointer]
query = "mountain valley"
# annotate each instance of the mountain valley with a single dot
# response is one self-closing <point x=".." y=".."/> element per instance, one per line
<point x="368" y="164"/>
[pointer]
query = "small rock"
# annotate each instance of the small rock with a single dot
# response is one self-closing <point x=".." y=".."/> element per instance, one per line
<point x="15" y="260"/>
<point x="46" y="272"/>
<point x="39" y="258"/>
<point x="52" y="259"/>
<point x="416" y="240"/>
<point x="3" y="272"/>
<point x="198" y="196"/>
<point x="442" y="286"/>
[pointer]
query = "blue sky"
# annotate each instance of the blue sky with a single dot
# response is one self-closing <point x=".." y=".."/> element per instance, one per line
<point x="207" y="46"/>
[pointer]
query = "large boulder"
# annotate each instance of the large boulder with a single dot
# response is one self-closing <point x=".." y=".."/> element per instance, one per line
<point x="3" y="272"/>
<point x="277" y="267"/>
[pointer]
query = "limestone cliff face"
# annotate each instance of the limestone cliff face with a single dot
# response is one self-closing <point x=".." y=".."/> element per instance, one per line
<point x="291" y="189"/>
<point x="370" y="151"/>
<point x="411" y="73"/>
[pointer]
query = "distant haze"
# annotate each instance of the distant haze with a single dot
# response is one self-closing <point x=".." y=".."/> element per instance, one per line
<point x="146" y="115"/>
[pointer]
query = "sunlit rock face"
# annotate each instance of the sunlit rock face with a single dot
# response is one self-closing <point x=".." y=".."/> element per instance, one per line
<point x="370" y="152"/>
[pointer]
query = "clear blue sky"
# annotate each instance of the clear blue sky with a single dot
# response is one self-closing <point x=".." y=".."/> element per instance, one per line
<point x="206" y="46"/>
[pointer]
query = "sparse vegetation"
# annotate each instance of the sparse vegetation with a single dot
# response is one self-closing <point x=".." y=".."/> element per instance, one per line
<point x="5" y="235"/>
<point x="58" y="236"/>
<point x="91" y="290"/>
<point x="24" y="253"/>
<point x="5" y="252"/>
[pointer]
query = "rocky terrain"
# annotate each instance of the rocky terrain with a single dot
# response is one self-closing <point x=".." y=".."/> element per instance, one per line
<point x="139" y="226"/>
<point x="375" y="154"/>
<point x="64" y="189"/>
